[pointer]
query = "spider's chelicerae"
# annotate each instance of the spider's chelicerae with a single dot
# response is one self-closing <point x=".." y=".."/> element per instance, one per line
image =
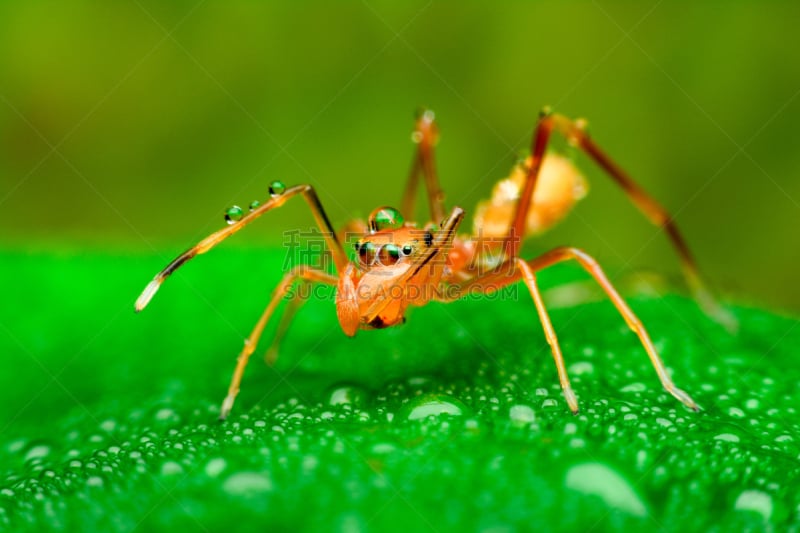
<point x="400" y="264"/>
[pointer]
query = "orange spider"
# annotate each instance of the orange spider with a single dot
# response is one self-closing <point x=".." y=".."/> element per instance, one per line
<point x="401" y="265"/>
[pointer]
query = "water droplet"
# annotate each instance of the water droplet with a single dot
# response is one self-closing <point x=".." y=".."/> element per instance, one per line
<point x="433" y="405"/>
<point x="347" y="395"/>
<point x="254" y="205"/>
<point x="521" y="415"/>
<point x="599" y="480"/>
<point x="634" y="387"/>
<point x="171" y="468"/>
<point x="581" y="368"/>
<point x="728" y="437"/>
<point x="663" y="422"/>
<point x="234" y="214"/>
<point x="752" y="404"/>
<point x="247" y="484"/>
<point x="641" y="459"/>
<point x="94" y="481"/>
<point x="383" y="448"/>
<point x="549" y="403"/>
<point x="756" y="501"/>
<point x="276" y="188"/>
<point x="215" y="466"/>
<point x="385" y="218"/>
<point x="37" y="450"/>
<point x="735" y="412"/>
<point x="166" y="414"/>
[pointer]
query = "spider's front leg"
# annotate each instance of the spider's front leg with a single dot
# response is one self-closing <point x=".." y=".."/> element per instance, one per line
<point x="518" y="269"/>
<point x="302" y="273"/>
<point x="308" y="194"/>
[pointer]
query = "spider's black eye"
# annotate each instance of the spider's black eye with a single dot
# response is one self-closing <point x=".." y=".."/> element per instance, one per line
<point x="389" y="254"/>
<point x="428" y="238"/>
<point x="366" y="253"/>
<point x="408" y="249"/>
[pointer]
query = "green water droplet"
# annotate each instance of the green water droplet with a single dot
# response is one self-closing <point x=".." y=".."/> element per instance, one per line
<point x="37" y="451"/>
<point x="427" y="405"/>
<point x="663" y="422"/>
<point x="755" y="501"/>
<point x="385" y="218"/>
<point x="347" y="395"/>
<point x="247" y="484"/>
<point x="728" y="437"/>
<point x="581" y="368"/>
<point x="276" y="188"/>
<point x="254" y="205"/>
<point x="166" y="414"/>
<point x="599" y="480"/>
<point x="383" y="448"/>
<point x="735" y="412"/>
<point x="215" y="466"/>
<point x="634" y="387"/>
<point x="521" y="415"/>
<point x="171" y="468"/>
<point x="549" y="403"/>
<point x="234" y="214"/>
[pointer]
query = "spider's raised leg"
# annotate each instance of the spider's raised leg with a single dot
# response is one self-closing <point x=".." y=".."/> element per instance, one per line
<point x="515" y="269"/>
<point x="426" y="135"/>
<point x="301" y="272"/>
<point x="306" y="191"/>
<point x="575" y="133"/>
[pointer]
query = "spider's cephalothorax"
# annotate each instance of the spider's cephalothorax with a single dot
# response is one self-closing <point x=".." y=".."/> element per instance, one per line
<point x="398" y="264"/>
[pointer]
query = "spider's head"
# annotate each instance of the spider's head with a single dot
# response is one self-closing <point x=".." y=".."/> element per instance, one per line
<point x="392" y="245"/>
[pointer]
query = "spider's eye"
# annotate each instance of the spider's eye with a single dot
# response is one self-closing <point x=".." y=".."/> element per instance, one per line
<point x="428" y="238"/>
<point x="389" y="254"/>
<point x="408" y="249"/>
<point x="366" y="253"/>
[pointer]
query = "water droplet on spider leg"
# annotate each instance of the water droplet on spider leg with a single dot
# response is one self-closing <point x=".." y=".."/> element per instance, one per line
<point x="254" y="205"/>
<point x="276" y="188"/>
<point x="234" y="214"/>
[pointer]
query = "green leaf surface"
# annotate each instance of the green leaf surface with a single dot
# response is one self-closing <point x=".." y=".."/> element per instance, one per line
<point x="452" y="422"/>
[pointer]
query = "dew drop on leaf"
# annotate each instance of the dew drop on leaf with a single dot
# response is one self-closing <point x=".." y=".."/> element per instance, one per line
<point x="599" y="480"/>
<point x="433" y="405"/>
<point x="521" y="415"/>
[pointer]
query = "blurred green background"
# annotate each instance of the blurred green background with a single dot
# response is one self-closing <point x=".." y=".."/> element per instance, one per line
<point x="132" y="125"/>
